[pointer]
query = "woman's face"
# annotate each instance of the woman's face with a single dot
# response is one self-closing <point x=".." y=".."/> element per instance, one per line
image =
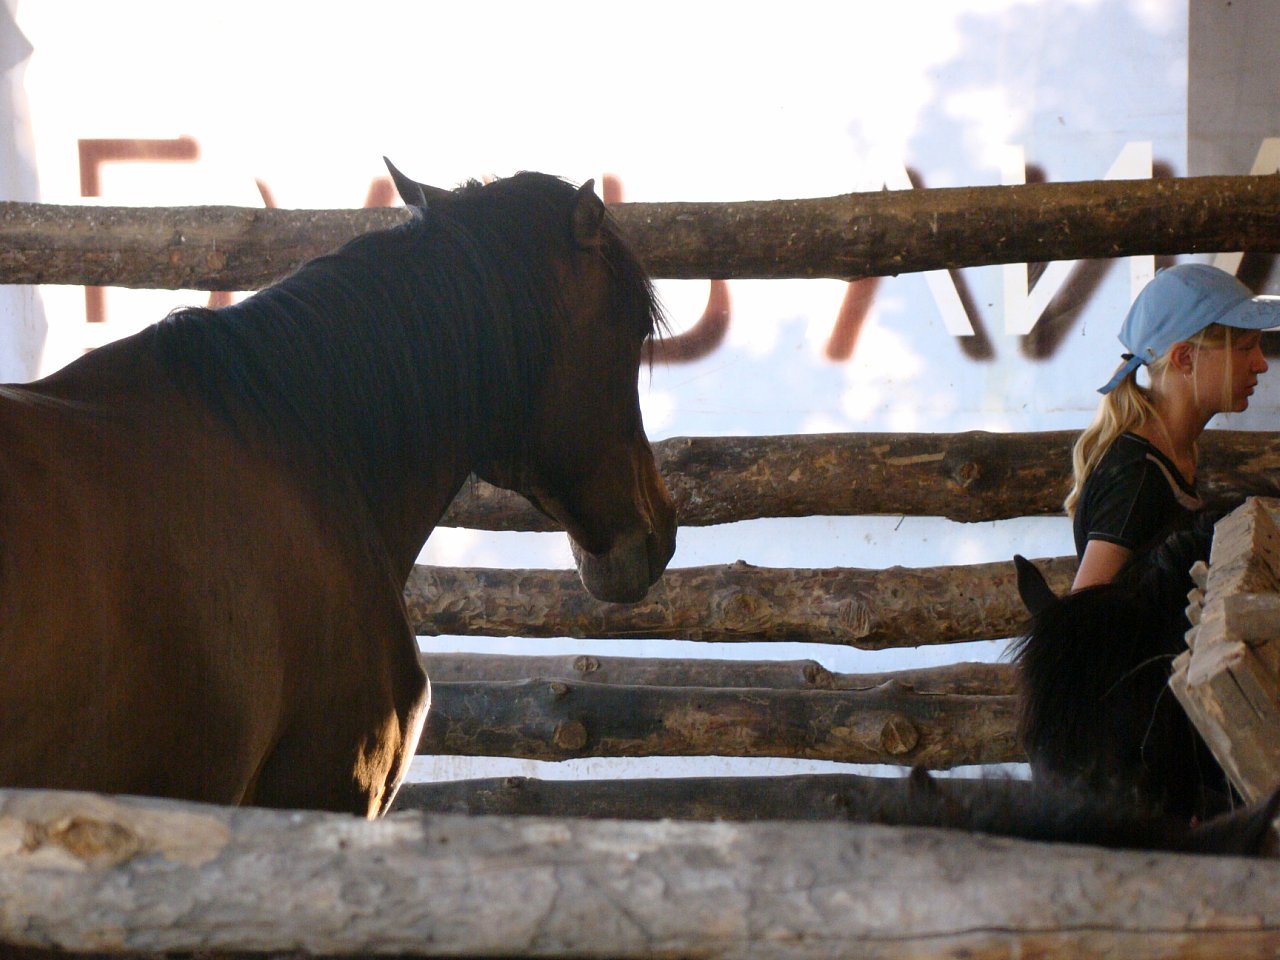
<point x="1226" y="376"/>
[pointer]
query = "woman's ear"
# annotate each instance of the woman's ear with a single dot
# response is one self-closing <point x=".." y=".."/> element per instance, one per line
<point x="1182" y="357"/>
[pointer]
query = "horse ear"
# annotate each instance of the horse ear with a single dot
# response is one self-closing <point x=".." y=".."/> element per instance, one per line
<point x="588" y="217"/>
<point x="1032" y="588"/>
<point x="414" y="194"/>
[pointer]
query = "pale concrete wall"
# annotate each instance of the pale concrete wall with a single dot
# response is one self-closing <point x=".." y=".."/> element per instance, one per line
<point x="22" y="322"/>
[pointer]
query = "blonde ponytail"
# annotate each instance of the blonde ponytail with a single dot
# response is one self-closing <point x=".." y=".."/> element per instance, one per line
<point x="1129" y="407"/>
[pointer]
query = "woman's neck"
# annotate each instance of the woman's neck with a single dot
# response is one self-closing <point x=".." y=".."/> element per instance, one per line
<point x="1174" y="431"/>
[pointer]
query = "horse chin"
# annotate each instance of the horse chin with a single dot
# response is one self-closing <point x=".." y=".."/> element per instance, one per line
<point x="624" y="573"/>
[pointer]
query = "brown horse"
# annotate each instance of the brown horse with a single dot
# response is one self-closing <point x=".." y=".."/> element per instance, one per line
<point x="206" y="528"/>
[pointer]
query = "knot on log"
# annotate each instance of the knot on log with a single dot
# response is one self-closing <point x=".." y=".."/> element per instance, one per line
<point x="570" y="735"/>
<point x="854" y="618"/>
<point x="966" y="474"/>
<point x="586" y="664"/>
<point x="744" y="611"/>
<point x="817" y="676"/>
<point x="899" y="735"/>
<point x="98" y="843"/>
<point x="559" y="690"/>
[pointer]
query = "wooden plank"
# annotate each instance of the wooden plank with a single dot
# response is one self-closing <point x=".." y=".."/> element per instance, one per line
<point x="867" y="609"/>
<point x="1231" y="698"/>
<point x="877" y="233"/>
<point x="974" y="679"/>
<point x="1229" y="681"/>
<point x="562" y="719"/>
<point x="1245" y="557"/>
<point x="101" y="875"/>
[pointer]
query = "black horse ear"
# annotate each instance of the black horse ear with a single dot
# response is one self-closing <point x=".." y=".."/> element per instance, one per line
<point x="1035" y="592"/>
<point x="588" y="217"/>
<point x="414" y="194"/>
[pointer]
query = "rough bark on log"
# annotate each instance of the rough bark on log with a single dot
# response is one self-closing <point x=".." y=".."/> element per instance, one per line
<point x="867" y="609"/>
<point x="968" y="477"/>
<point x="94" y="874"/>
<point x="973" y="679"/>
<point x="849" y="236"/>
<point x="563" y="720"/>
<point x="837" y="796"/>
<point x="171" y="248"/>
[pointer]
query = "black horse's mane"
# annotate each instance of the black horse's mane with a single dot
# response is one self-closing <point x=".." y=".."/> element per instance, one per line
<point x="435" y="325"/>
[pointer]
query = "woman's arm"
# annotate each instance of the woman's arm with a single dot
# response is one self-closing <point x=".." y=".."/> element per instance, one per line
<point x="1101" y="562"/>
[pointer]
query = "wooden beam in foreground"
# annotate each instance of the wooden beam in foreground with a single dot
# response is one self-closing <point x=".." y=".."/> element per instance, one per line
<point x="109" y="876"/>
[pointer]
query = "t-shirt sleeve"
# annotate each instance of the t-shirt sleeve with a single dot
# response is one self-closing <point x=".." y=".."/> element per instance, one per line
<point x="1131" y="506"/>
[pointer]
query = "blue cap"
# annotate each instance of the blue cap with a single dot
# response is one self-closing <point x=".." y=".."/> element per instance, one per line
<point x="1179" y="303"/>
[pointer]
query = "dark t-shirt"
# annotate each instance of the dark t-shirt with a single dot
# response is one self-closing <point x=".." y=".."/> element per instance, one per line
<point x="1133" y="495"/>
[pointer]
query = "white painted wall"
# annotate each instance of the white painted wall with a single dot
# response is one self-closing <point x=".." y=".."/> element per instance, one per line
<point x="22" y="324"/>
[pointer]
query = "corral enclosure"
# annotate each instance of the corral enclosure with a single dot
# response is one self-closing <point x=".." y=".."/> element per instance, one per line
<point x="883" y="377"/>
<point x="612" y="889"/>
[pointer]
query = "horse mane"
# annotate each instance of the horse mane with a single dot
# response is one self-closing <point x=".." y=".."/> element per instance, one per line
<point x="438" y="324"/>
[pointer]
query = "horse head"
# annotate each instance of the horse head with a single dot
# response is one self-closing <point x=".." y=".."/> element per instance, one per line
<point x="583" y="458"/>
<point x="1094" y="668"/>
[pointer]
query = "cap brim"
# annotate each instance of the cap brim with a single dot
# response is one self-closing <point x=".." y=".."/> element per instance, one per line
<point x="1259" y="313"/>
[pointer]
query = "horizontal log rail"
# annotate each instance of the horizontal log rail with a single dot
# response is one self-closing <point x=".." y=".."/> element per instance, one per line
<point x="971" y="679"/>
<point x="97" y="875"/>
<point x="867" y="609"/>
<point x="968" y="477"/>
<point x="563" y="720"/>
<point x="854" y="235"/>
<point x="832" y="796"/>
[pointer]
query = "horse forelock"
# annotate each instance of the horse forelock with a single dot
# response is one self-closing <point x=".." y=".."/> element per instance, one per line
<point x="549" y="200"/>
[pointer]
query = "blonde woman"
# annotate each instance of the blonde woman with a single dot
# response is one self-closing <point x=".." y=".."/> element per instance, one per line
<point x="1197" y="329"/>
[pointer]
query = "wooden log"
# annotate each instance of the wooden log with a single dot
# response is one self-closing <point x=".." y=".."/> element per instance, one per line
<point x="972" y="476"/>
<point x="112" y="875"/>
<point x="974" y="679"/>
<point x="562" y="720"/>
<point x="850" y="236"/>
<point x="838" y="796"/>
<point x="867" y="609"/>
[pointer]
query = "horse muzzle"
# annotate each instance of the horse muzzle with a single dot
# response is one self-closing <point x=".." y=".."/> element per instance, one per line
<point x="625" y="572"/>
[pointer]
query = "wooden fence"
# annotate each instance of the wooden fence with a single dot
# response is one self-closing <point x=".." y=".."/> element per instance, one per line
<point x="92" y="874"/>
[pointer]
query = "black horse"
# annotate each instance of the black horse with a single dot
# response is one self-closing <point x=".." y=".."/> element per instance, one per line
<point x="1094" y="666"/>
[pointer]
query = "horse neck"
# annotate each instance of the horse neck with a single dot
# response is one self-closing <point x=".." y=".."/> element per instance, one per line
<point x="355" y="392"/>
